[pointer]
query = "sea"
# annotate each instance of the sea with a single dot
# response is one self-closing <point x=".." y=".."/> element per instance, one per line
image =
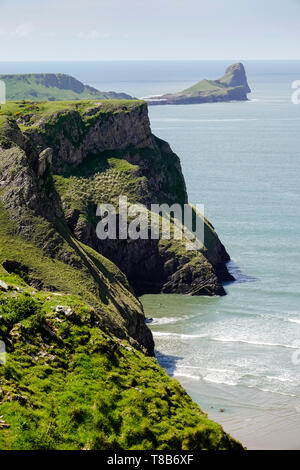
<point x="238" y="356"/>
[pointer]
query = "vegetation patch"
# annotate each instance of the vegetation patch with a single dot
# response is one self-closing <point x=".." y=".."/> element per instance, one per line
<point x="68" y="384"/>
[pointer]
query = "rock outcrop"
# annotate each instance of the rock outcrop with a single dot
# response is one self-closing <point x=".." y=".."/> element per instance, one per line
<point x="233" y="86"/>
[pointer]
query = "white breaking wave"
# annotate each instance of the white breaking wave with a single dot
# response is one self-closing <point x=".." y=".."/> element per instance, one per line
<point x="294" y="320"/>
<point x="162" y="333"/>
<point x="229" y="377"/>
<point x="191" y="367"/>
<point x="266" y="390"/>
<point x="219" y="381"/>
<point x="189" y="376"/>
<point x="266" y="316"/>
<point x="280" y="379"/>
<point x="217" y="376"/>
<point x="223" y="340"/>
<point x="166" y="320"/>
<point x="212" y="369"/>
<point x="176" y="335"/>
<point x="255" y="343"/>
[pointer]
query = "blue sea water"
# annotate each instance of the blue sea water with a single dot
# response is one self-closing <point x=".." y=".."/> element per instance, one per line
<point x="242" y="161"/>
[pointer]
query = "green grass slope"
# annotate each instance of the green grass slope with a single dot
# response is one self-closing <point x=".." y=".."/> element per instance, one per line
<point x="53" y="87"/>
<point x="205" y="86"/>
<point x="68" y="384"/>
<point x="84" y="272"/>
<point x="234" y="78"/>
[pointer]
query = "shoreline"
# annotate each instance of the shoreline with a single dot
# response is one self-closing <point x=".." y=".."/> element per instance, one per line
<point x="260" y="420"/>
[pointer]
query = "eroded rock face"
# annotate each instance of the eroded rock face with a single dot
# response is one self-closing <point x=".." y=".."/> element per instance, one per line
<point x="72" y="143"/>
<point x="31" y="204"/>
<point x="156" y="178"/>
<point x="96" y="155"/>
<point x="236" y="77"/>
<point x="45" y="160"/>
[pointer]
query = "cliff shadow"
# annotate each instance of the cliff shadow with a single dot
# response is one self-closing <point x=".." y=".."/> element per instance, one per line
<point x="238" y="274"/>
<point x="167" y="362"/>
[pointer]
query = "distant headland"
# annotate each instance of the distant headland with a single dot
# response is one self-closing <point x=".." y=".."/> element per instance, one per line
<point x="233" y="86"/>
<point x="53" y="87"/>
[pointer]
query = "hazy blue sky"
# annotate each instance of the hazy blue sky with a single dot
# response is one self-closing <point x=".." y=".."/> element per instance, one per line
<point x="149" y="29"/>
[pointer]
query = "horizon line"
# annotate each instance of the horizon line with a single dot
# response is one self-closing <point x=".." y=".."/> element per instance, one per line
<point x="150" y="60"/>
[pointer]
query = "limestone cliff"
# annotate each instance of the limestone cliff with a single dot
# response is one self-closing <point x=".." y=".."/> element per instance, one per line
<point x="37" y="245"/>
<point x="105" y="150"/>
<point x="58" y="162"/>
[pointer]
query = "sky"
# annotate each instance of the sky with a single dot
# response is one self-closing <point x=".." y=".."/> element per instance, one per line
<point x="149" y="29"/>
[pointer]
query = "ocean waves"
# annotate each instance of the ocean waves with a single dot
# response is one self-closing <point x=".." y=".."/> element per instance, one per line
<point x="223" y="339"/>
<point x="167" y="320"/>
<point x="281" y="384"/>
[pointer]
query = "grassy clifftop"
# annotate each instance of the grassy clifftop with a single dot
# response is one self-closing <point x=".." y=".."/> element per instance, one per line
<point x="30" y="113"/>
<point x="53" y="87"/>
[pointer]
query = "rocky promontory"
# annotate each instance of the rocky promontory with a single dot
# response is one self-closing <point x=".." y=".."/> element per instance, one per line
<point x="233" y="86"/>
<point x="52" y="87"/>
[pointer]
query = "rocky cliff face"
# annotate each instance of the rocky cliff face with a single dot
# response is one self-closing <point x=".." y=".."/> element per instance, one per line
<point x="235" y="76"/>
<point x="99" y="154"/>
<point x="91" y="154"/>
<point x="36" y="244"/>
<point x="75" y="134"/>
